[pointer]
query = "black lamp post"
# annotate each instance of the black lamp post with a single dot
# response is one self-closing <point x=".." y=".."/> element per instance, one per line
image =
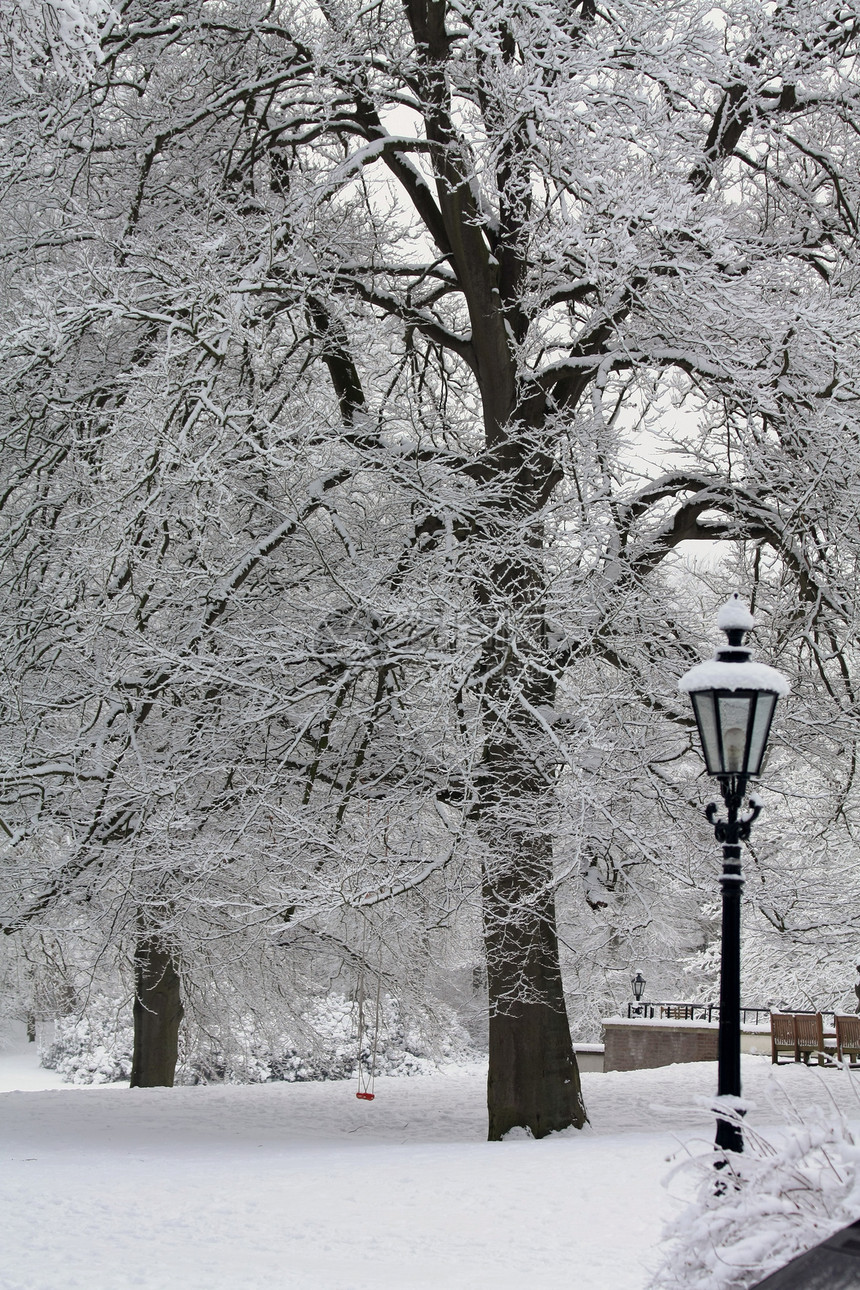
<point x="734" y="701"/>
<point x="637" y="984"/>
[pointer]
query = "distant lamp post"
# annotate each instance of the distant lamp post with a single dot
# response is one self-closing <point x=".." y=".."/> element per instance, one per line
<point x="734" y="701"/>
<point x="637" y="984"/>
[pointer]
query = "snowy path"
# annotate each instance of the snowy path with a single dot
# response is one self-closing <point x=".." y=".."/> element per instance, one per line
<point x="301" y="1187"/>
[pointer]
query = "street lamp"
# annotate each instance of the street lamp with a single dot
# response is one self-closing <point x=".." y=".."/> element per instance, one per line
<point x="637" y="984"/>
<point x="734" y="701"/>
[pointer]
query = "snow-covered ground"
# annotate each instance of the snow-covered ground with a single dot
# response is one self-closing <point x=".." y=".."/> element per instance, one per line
<point x="302" y="1187"/>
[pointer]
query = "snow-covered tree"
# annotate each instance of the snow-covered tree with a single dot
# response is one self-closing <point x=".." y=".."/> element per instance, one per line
<point x="53" y="36"/>
<point x="366" y="369"/>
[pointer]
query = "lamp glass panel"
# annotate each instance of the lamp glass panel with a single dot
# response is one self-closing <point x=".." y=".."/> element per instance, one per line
<point x="703" y="706"/>
<point x="734" y="720"/>
<point x="764" y="709"/>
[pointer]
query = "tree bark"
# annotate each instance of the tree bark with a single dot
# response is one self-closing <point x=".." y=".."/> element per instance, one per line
<point x="533" y="1079"/>
<point x="157" y="1014"/>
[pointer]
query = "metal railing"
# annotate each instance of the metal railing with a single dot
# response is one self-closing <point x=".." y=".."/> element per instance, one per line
<point x="675" y="1011"/>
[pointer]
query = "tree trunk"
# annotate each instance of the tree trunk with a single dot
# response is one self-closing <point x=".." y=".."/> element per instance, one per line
<point x="157" y="1014"/>
<point x="533" y="1079"/>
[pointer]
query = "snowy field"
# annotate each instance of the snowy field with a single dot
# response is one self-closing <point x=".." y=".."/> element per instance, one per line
<point x="302" y="1187"/>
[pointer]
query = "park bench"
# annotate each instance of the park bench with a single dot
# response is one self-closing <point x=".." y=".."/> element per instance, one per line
<point x="848" y="1038"/>
<point x="802" y="1035"/>
<point x="783" y="1037"/>
<point x="809" y="1032"/>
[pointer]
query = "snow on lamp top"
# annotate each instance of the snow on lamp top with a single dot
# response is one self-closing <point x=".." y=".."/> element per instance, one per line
<point x="734" y="615"/>
<point x="732" y="669"/>
<point x="718" y="675"/>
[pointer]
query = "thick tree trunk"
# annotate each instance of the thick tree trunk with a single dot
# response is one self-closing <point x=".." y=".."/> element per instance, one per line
<point x="533" y="1080"/>
<point x="157" y="1014"/>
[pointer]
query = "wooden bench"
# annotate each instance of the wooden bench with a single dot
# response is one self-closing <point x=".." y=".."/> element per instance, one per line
<point x="848" y="1038"/>
<point x="809" y="1036"/>
<point x="783" y="1037"/>
<point x="802" y="1035"/>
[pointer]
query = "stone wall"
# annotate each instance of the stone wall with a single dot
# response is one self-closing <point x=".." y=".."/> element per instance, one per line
<point x="640" y="1045"/>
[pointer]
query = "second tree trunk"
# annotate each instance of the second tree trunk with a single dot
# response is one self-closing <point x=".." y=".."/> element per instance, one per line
<point x="157" y="1014"/>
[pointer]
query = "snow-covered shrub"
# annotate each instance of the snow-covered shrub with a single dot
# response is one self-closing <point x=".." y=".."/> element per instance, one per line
<point x="94" y="1048"/>
<point x="323" y="1046"/>
<point x="762" y="1208"/>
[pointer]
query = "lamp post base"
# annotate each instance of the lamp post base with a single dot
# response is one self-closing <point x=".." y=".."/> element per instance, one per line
<point x="729" y="1136"/>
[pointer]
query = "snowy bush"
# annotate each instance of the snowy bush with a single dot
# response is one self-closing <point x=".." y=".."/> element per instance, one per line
<point x="763" y="1207"/>
<point x="94" y="1048"/>
<point x="323" y="1046"/>
<point x="97" y="1049"/>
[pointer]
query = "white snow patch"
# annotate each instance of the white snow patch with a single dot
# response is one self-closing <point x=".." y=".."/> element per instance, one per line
<point x="734" y="615"/>
<point x="302" y="1187"/>
<point x="716" y="675"/>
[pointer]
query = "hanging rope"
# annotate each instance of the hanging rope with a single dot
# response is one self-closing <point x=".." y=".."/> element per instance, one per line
<point x="367" y="1075"/>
